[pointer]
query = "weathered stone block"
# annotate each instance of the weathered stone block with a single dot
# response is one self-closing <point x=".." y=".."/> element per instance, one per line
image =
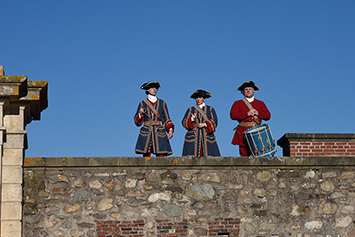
<point x="12" y="157"/>
<point x="11" y="192"/>
<point x="11" y="211"/>
<point x="12" y="174"/>
<point x="11" y="228"/>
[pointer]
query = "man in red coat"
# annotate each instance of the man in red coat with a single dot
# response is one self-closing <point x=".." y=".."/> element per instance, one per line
<point x="249" y="112"/>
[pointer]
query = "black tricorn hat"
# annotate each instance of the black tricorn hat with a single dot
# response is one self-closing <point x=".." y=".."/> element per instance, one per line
<point x="201" y="93"/>
<point x="150" y="84"/>
<point x="248" y="84"/>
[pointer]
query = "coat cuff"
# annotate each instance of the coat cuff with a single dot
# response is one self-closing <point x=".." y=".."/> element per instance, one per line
<point x="138" y="121"/>
<point x="211" y="126"/>
<point x="168" y="125"/>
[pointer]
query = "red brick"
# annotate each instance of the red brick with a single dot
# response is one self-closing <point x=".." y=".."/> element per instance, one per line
<point x="305" y="150"/>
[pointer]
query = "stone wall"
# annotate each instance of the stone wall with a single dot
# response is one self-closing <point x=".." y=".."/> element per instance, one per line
<point x="226" y="196"/>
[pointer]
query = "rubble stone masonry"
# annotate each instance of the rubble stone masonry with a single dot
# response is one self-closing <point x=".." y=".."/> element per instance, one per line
<point x="179" y="196"/>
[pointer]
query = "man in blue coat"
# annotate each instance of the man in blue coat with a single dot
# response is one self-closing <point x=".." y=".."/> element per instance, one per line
<point x="153" y="113"/>
<point x="201" y="123"/>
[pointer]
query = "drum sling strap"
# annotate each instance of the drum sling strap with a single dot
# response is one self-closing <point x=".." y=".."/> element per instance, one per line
<point x="249" y="124"/>
<point x="250" y="107"/>
<point x="203" y="113"/>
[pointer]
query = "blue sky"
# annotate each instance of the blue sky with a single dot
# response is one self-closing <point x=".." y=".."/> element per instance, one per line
<point x="96" y="54"/>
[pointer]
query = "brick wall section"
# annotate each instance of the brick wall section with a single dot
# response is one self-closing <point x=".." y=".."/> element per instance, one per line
<point x="322" y="148"/>
<point x="295" y="144"/>
<point x="167" y="228"/>
<point x="224" y="227"/>
<point x="120" y="228"/>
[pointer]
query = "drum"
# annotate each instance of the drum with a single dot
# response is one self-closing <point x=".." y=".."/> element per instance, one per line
<point x="260" y="141"/>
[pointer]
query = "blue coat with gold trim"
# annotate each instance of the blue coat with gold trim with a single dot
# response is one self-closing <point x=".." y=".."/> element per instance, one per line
<point x="154" y="130"/>
<point x="200" y="141"/>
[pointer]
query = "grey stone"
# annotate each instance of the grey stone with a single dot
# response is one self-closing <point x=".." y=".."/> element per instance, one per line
<point x="81" y="196"/>
<point x="33" y="219"/>
<point x="171" y="209"/>
<point x="211" y="177"/>
<point x="256" y="206"/>
<point x="198" y="205"/>
<point x="135" y="193"/>
<point x="43" y="234"/>
<point x="347" y="210"/>
<point x="263" y="176"/>
<point x="48" y="222"/>
<point x="328" y="208"/>
<point x="343" y="222"/>
<point x="77" y="233"/>
<point x="267" y="227"/>
<point x="99" y="216"/>
<point x="85" y="225"/>
<point x="249" y="228"/>
<point x="328" y="175"/>
<point x="260" y="193"/>
<point x="174" y="189"/>
<point x="260" y="213"/>
<point x="131" y="183"/>
<point x="310" y="174"/>
<point x="169" y="175"/>
<point x="77" y="217"/>
<point x="67" y="224"/>
<point x="159" y="196"/>
<point x="58" y="178"/>
<point x="79" y="183"/>
<point x="313" y="225"/>
<point x="201" y="192"/>
<point x="95" y="184"/>
<point x="230" y="196"/>
<point x="204" y="213"/>
<point x="327" y="186"/>
<point x="147" y="212"/>
<point x="118" y="192"/>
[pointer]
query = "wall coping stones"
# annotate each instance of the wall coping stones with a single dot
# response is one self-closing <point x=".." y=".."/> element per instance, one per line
<point x="292" y="162"/>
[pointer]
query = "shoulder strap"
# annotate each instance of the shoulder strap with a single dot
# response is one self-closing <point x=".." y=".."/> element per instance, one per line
<point x="151" y="107"/>
<point x="250" y="107"/>
<point x="247" y="103"/>
<point x="203" y="113"/>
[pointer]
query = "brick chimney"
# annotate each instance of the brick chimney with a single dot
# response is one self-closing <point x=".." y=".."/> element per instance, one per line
<point x="317" y="144"/>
